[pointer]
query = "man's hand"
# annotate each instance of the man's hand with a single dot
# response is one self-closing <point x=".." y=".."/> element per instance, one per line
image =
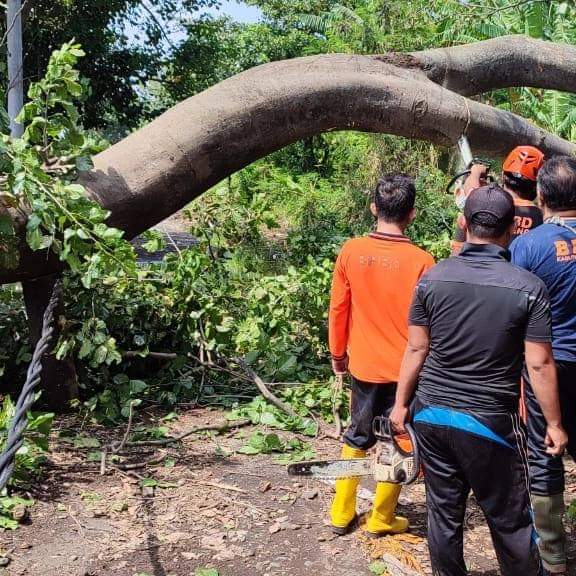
<point x="479" y="171"/>
<point x="556" y="440"/>
<point x="340" y="365"/>
<point x="477" y="178"/>
<point x="398" y="418"/>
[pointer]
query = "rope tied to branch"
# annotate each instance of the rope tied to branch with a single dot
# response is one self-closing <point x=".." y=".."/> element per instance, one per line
<point x="15" y="438"/>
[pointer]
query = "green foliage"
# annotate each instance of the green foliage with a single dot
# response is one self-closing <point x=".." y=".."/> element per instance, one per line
<point x="206" y="572"/>
<point x="314" y="398"/>
<point x="261" y="443"/>
<point x="7" y="505"/>
<point x="127" y="43"/>
<point x="31" y="455"/>
<point x="378" y="568"/>
<point x="14" y="349"/>
<point x="260" y="412"/>
<point x="39" y="171"/>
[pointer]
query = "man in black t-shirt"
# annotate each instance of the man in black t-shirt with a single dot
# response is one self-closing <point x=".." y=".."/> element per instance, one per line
<point x="473" y="318"/>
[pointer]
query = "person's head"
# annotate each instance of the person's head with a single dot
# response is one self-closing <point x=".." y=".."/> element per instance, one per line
<point x="489" y="216"/>
<point x="557" y="184"/>
<point x="394" y="199"/>
<point x="520" y="171"/>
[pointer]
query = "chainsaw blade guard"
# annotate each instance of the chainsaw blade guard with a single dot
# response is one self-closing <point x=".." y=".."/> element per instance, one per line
<point x="401" y="464"/>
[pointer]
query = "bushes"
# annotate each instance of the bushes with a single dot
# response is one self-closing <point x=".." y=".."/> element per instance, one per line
<point x="255" y="285"/>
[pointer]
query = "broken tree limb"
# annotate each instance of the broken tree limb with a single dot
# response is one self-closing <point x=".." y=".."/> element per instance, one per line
<point x="221" y="486"/>
<point x="223" y="427"/>
<point x="338" y="387"/>
<point x="154" y="355"/>
<point x="268" y="396"/>
<point x="159" y="169"/>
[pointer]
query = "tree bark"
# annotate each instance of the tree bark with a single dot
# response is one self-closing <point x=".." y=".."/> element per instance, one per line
<point x="59" y="384"/>
<point x="504" y="62"/>
<point x="159" y="169"/>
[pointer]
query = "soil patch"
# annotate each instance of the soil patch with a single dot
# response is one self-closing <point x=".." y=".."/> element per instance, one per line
<point x="206" y="506"/>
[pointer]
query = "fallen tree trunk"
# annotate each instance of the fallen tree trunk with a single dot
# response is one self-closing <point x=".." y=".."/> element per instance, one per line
<point x="159" y="169"/>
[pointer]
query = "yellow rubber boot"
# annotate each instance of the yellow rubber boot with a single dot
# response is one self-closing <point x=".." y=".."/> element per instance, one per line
<point x="383" y="519"/>
<point x="343" y="510"/>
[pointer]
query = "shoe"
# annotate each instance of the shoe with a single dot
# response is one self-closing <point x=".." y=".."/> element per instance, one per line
<point x="343" y="510"/>
<point x="383" y="520"/>
<point x="548" y="514"/>
<point x="350" y="527"/>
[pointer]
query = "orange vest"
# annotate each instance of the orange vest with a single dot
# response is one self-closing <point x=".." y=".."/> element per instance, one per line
<point x="372" y="288"/>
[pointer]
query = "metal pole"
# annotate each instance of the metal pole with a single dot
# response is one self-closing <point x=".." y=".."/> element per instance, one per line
<point x="15" y="65"/>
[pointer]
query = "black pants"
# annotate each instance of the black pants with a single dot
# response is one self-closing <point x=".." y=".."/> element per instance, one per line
<point x="547" y="472"/>
<point x="367" y="401"/>
<point x="484" y="453"/>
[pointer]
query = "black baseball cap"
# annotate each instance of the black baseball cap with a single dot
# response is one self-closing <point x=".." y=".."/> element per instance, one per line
<point x="491" y="201"/>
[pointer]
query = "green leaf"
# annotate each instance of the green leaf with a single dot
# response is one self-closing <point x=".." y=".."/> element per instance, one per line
<point x="8" y="523"/>
<point x="94" y="456"/>
<point x="378" y="568"/>
<point x="86" y="442"/>
<point x="206" y="572"/>
<point x="84" y="163"/>
<point x="6" y="225"/>
<point x="148" y="483"/>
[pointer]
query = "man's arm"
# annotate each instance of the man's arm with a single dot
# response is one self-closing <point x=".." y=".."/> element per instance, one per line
<point x="542" y="371"/>
<point x="338" y="317"/>
<point x="414" y="357"/>
<point x="477" y="178"/>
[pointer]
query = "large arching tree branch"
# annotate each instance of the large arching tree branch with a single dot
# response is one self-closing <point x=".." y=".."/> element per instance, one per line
<point x="159" y="169"/>
<point x="504" y="62"/>
<point x="208" y="137"/>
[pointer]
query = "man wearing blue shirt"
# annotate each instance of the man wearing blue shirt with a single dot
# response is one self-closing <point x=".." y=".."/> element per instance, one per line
<point x="549" y="252"/>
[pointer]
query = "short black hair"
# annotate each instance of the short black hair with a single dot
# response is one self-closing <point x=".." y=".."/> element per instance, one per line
<point x="526" y="189"/>
<point x="557" y="183"/>
<point x="395" y="196"/>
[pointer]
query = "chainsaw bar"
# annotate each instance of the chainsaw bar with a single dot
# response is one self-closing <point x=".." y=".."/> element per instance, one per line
<point x="332" y="468"/>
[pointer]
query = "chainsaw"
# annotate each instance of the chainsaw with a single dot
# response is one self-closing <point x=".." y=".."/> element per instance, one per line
<point x="396" y="459"/>
<point x="466" y="161"/>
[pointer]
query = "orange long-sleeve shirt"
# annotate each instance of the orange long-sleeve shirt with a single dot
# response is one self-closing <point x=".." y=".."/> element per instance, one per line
<point x="372" y="288"/>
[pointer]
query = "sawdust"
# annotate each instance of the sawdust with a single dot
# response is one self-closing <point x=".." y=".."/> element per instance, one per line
<point x="397" y="546"/>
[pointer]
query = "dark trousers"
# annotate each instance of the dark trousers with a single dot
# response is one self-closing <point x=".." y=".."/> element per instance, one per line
<point x="547" y="472"/>
<point x="484" y="453"/>
<point x="367" y="401"/>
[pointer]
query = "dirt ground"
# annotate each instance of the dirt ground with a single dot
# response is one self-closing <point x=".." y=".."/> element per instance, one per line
<point x="210" y="508"/>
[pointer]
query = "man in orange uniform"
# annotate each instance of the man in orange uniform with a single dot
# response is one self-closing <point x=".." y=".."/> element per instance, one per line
<point x="372" y="288"/>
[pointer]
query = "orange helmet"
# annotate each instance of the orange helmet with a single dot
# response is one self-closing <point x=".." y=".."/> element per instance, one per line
<point x="524" y="162"/>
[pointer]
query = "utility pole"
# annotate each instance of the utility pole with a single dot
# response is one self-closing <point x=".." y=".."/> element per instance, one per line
<point x="15" y="65"/>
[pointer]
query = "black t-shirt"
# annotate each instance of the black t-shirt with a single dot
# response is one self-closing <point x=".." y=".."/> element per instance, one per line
<point x="479" y="309"/>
